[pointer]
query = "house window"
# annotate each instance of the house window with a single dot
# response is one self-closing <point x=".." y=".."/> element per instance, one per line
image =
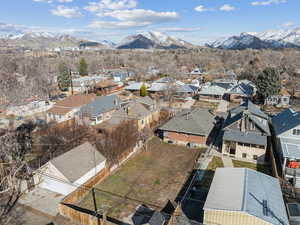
<point x="296" y="132"/>
<point x="244" y="155"/>
<point x="255" y="157"/>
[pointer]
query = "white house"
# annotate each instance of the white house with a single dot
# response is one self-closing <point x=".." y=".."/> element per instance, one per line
<point x="66" y="109"/>
<point x="65" y="173"/>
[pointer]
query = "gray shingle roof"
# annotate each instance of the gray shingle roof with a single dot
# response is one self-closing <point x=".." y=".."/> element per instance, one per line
<point x="241" y="89"/>
<point x="286" y="120"/>
<point x="245" y="137"/>
<point x="248" y="105"/>
<point x="197" y="121"/>
<point x="290" y="148"/>
<point x="101" y="105"/>
<point x="77" y="162"/>
<point x="244" y="190"/>
<point x="157" y="219"/>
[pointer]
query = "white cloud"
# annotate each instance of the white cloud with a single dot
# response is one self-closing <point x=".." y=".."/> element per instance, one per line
<point x="134" y="18"/>
<point x="108" y="5"/>
<point x="288" y="24"/>
<point x="227" y="8"/>
<point x="67" y="12"/>
<point x="47" y="1"/>
<point x="201" y="8"/>
<point x="65" y="1"/>
<point x="268" y="2"/>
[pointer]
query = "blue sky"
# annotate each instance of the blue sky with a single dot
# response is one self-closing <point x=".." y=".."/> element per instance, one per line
<point x="193" y="20"/>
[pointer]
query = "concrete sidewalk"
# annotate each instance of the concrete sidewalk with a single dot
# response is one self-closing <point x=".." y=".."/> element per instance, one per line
<point x="227" y="161"/>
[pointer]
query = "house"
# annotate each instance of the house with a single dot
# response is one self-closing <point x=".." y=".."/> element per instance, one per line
<point x="99" y="110"/>
<point x="246" y="132"/>
<point x="191" y="128"/>
<point x="106" y="87"/>
<point x="286" y="127"/>
<point x="29" y="108"/>
<point x="212" y="91"/>
<point x="186" y="90"/>
<point x="133" y="110"/>
<point x="135" y="87"/>
<point x="240" y="92"/>
<point x="162" y="85"/>
<point x="240" y="196"/>
<point x="65" y="110"/>
<point x="84" y="84"/>
<point x="65" y="173"/>
<point x="283" y="99"/>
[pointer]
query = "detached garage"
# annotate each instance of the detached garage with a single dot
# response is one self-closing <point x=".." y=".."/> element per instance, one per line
<point x="240" y="196"/>
<point x="65" y="173"/>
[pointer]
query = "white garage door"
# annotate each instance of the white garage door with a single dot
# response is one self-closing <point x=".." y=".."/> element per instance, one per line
<point x="56" y="186"/>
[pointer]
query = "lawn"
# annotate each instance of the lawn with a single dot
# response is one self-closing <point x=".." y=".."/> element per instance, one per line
<point x="206" y="105"/>
<point x="152" y="177"/>
<point x="258" y="167"/>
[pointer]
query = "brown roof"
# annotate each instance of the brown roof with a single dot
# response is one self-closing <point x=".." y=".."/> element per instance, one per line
<point x="71" y="102"/>
<point x="284" y="92"/>
<point x="106" y="84"/>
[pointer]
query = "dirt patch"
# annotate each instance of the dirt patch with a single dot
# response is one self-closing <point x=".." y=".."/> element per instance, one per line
<point x="150" y="178"/>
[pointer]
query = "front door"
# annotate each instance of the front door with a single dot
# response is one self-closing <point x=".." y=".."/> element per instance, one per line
<point x="232" y="151"/>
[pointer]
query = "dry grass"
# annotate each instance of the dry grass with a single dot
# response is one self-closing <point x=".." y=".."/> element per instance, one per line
<point x="206" y="105"/>
<point x="152" y="177"/>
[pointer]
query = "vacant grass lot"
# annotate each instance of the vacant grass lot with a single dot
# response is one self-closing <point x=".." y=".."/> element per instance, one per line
<point x="152" y="177"/>
<point x="261" y="168"/>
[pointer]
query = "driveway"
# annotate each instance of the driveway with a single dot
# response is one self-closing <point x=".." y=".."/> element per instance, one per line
<point x="42" y="200"/>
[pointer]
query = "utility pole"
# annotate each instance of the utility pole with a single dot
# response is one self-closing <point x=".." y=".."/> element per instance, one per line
<point x="70" y="75"/>
<point x="95" y="206"/>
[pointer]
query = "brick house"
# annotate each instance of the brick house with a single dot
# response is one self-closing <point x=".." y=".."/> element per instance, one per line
<point x="191" y="128"/>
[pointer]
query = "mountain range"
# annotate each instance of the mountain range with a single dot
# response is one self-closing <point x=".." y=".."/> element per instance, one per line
<point x="275" y="39"/>
<point x="153" y="40"/>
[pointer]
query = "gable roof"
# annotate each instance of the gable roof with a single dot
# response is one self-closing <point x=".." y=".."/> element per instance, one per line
<point x="241" y="89"/>
<point x="132" y="110"/>
<point x="158" y="87"/>
<point x="213" y="90"/>
<point x="135" y="86"/>
<point x="71" y="102"/>
<point x="146" y="100"/>
<point x="185" y="89"/>
<point x="196" y="122"/>
<point x="249" y="106"/>
<point x="101" y="105"/>
<point x="286" y="120"/>
<point x="75" y="163"/>
<point x="246" y="192"/>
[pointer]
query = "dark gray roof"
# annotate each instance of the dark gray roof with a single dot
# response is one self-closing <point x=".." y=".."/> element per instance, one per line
<point x="101" y="105"/>
<point x="245" y="137"/>
<point x="223" y="85"/>
<point x="197" y="121"/>
<point x="245" y="190"/>
<point x="75" y="163"/>
<point x="242" y="89"/>
<point x="157" y="219"/>
<point x="286" y="120"/>
<point x="249" y="106"/>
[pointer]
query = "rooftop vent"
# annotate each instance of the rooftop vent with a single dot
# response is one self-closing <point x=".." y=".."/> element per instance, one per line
<point x="265" y="208"/>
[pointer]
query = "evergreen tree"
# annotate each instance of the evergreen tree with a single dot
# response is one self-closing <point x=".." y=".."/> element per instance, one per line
<point x="63" y="79"/>
<point x="268" y="82"/>
<point x="83" y="67"/>
<point x="143" y="90"/>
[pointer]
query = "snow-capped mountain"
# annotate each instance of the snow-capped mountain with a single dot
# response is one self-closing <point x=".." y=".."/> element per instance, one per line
<point x="151" y="40"/>
<point x="269" y="39"/>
